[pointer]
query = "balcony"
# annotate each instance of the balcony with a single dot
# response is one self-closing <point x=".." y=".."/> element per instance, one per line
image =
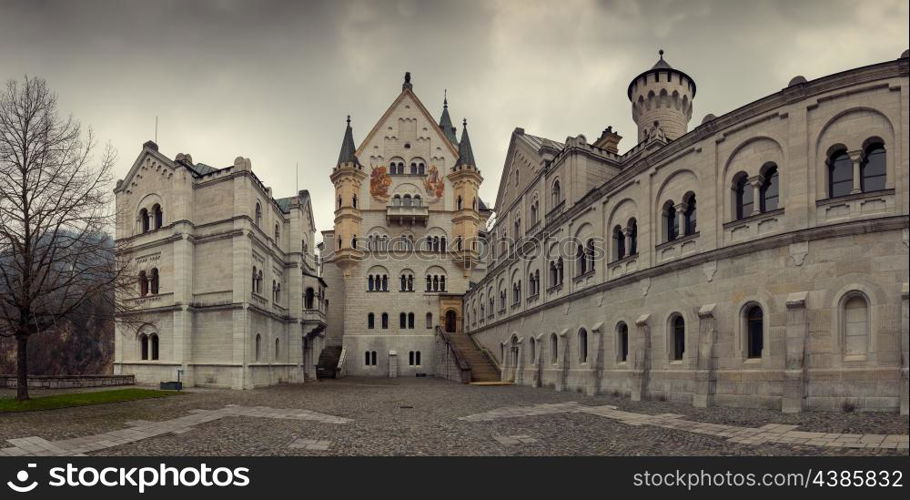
<point x="407" y="215"/>
<point x="313" y="316"/>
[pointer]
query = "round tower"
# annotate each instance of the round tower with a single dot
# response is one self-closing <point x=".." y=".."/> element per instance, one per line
<point x="662" y="101"/>
<point x="465" y="179"/>
<point x="347" y="176"/>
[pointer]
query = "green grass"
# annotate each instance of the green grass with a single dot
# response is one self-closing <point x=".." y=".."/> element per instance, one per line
<point x="80" y="399"/>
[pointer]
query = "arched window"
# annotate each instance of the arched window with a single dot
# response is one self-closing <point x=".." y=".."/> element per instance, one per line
<point x="619" y="243"/>
<point x="158" y="215"/>
<point x="556" y="194"/>
<point x="371" y="321"/>
<point x="153" y="340"/>
<point x="370" y="283"/>
<point x="402" y="320"/>
<point x="554" y="348"/>
<point x="590" y="253"/>
<point x="872" y="168"/>
<point x="385" y="283"/>
<point x="743" y="194"/>
<point x="253" y="282"/>
<point x="410" y="321"/>
<point x="143" y="284"/>
<point x="417" y="200"/>
<point x="144" y="220"/>
<point x="582" y="346"/>
<point x="532" y="350"/>
<point x="622" y="334"/>
<point x="581" y="260"/>
<point x="458" y="203"/>
<point x="258" y="214"/>
<point x="840" y="174"/>
<point x="632" y="227"/>
<point x="855" y="325"/>
<point x="429" y="320"/>
<point x="755" y="331"/>
<point x="259" y="282"/>
<point x="770" y="189"/>
<point x="154" y="281"/>
<point x="679" y="337"/>
<point x="421" y="169"/>
<point x="385" y="321"/>
<point x="144" y="347"/>
<point x="258" y="346"/>
<point x="308" y="298"/>
<point x="396" y="200"/>
<point x="277" y="349"/>
<point x="690" y="216"/>
<point x="671" y="222"/>
<point x="277" y="233"/>
<point x="354" y="201"/>
<point x="406" y="200"/>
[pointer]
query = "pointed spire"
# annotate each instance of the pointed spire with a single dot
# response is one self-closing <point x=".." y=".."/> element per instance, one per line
<point x="465" y="153"/>
<point x="347" y="146"/>
<point x="445" y="122"/>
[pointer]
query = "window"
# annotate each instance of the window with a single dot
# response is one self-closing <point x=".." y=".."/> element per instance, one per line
<point x="872" y="168"/>
<point x="277" y="349"/>
<point x="385" y="321"/>
<point x="855" y="325"/>
<point x="259" y="282"/>
<point x="354" y="201"/>
<point x="451" y="321"/>
<point x="153" y="340"/>
<point x="258" y="346"/>
<point x="840" y="174"/>
<point x="371" y="321"/>
<point x="554" y="348"/>
<point x="429" y="320"/>
<point x="258" y="214"/>
<point x="556" y="194"/>
<point x="153" y="279"/>
<point x="158" y="215"/>
<point x="581" y="260"/>
<point x="144" y="347"/>
<point x="743" y="196"/>
<point x="690" y="216"/>
<point x="277" y="234"/>
<point x="679" y="337"/>
<point x="755" y="331"/>
<point x="532" y="350"/>
<point x="619" y="243"/>
<point x="671" y="222"/>
<point x="308" y="298"/>
<point x="144" y="220"/>
<point x="633" y="237"/>
<point x="402" y="320"/>
<point x="143" y="284"/>
<point x="458" y="203"/>
<point x="770" y="190"/>
<point x="414" y="358"/>
<point x="410" y="321"/>
<point x="622" y="333"/>
<point x="583" y="345"/>
<point x="369" y="358"/>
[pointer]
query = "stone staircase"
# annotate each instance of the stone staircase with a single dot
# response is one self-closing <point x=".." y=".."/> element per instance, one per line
<point x="482" y="367"/>
<point x="328" y="362"/>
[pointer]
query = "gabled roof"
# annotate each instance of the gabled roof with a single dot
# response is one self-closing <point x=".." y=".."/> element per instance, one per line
<point x="531" y="144"/>
<point x="407" y="91"/>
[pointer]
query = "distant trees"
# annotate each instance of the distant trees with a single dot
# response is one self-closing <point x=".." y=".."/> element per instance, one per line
<point x="56" y="260"/>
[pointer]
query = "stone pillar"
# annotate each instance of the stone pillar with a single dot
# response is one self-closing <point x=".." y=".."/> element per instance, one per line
<point x="393" y="364"/>
<point x="537" y="364"/>
<point x="905" y="350"/>
<point x="756" y="181"/>
<point x="857" y="157"/>
<point x="594" y="385"/>
<point x="705" y="376"/>
<point x="183" y="297"/>
<point x="641" y="358"/>
<point x="519" y="363"/>
<point x="795" y="375"/>
<point x="627" y="234"/>
<point x="562" y="361"/>
<point x="681" y="219"/>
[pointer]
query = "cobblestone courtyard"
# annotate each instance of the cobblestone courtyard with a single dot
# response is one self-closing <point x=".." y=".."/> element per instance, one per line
<point x="406" y="416"/>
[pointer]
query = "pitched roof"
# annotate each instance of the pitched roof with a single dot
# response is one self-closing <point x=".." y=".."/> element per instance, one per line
<point x="465" y="153"/>
<point x="661" y="64"/>
<point x="445" y="122"/>
<point x="348" y="150"/>
<point x="539" y="143"/>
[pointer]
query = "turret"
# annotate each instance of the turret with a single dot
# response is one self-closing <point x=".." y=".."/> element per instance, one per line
<point x="465" y="179"/>
<point x="661" y="101"/>
<point x="445" y="123"/>
<point x="347" y="176"/>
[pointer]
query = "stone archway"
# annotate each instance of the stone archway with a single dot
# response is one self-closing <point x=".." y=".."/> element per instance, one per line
<point x="451" y="321"/>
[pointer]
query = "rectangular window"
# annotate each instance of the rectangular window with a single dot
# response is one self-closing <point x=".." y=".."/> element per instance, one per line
<point x="414" y="358"/>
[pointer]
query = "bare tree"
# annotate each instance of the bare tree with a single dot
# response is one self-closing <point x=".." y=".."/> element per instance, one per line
<point x="55" y="211"/>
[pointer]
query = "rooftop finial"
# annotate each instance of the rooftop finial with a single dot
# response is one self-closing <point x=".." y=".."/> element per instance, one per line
<point x="445" y="98"/>
<point x="661" y="52"/>
<point x="407" y="81"/>
<point x="349" y="119"/>
<point x="464" y="122"/>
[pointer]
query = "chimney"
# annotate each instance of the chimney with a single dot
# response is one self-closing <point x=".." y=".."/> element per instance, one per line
<point x="608" y="141"/>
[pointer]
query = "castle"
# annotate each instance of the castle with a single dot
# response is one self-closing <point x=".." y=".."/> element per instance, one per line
<point x="759" y="259"/>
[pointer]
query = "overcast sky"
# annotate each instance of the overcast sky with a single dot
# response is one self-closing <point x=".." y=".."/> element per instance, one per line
<point x="273" y="81"/>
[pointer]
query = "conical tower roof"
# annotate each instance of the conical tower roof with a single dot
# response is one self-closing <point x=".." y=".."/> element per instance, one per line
<point x="445" y="122"/>
<point x="347" y="154"/>
<point x="465" y="153"/>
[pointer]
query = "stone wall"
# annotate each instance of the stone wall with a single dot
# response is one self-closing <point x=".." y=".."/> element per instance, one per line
<point x="68" y="381"/>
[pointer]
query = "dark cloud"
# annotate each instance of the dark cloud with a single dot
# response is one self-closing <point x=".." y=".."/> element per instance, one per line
<point x="273" y="81"/>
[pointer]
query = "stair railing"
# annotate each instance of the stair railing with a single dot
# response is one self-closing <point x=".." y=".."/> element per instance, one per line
<point x="463" y="366"/>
